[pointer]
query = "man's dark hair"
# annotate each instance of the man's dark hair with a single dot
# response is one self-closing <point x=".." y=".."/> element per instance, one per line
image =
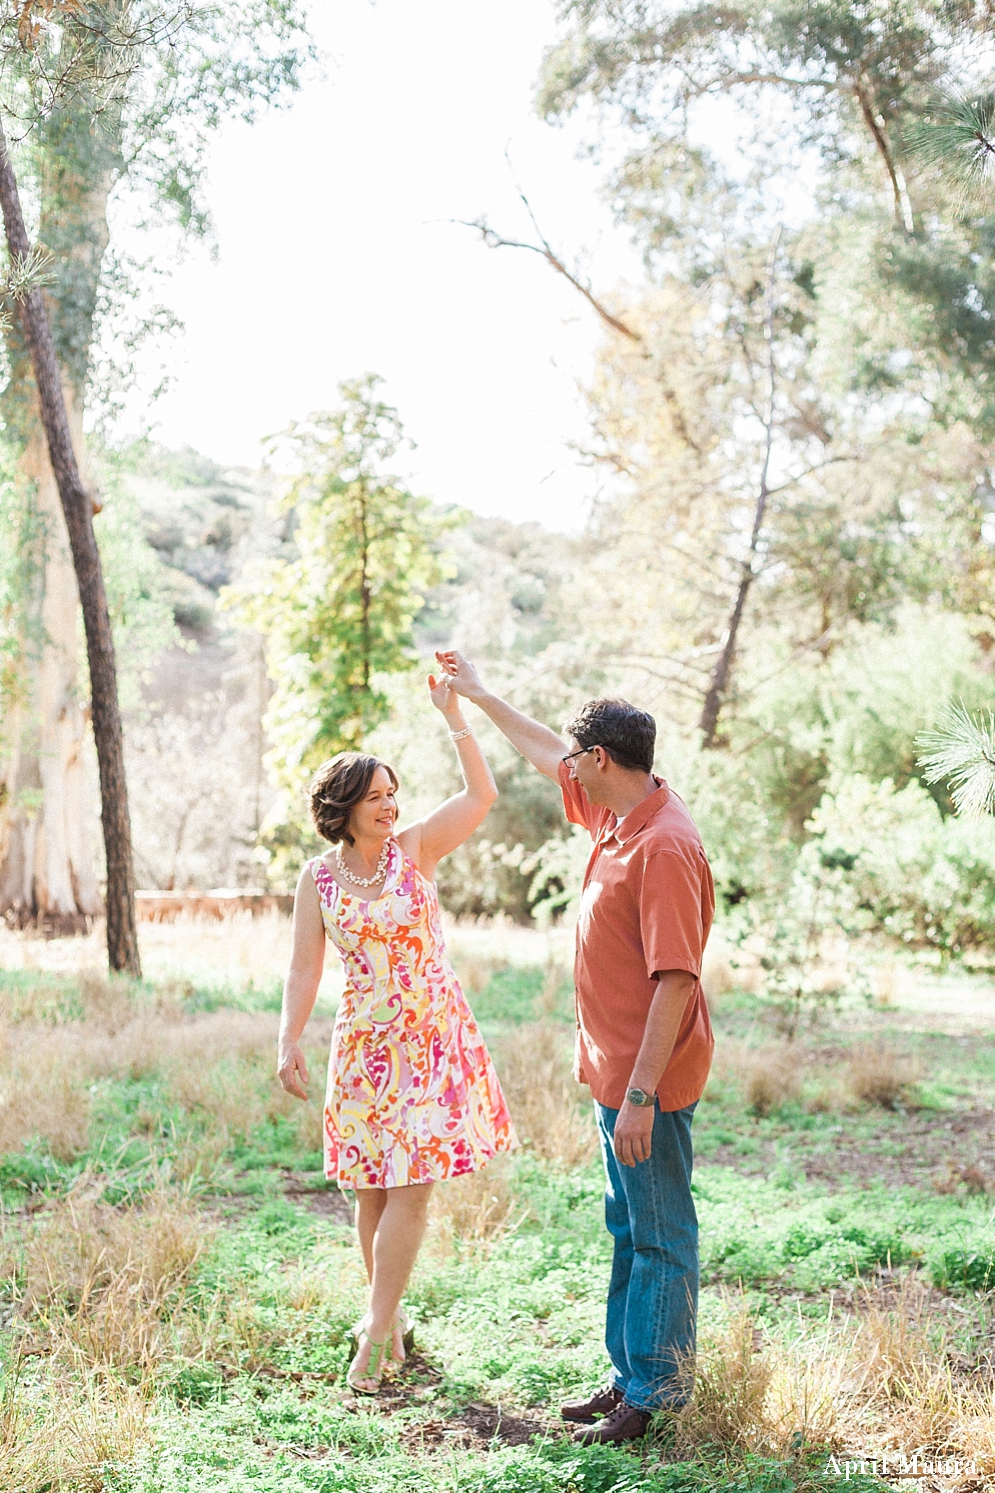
<point x="628" y="735"/>
<point x="337" y="787"/>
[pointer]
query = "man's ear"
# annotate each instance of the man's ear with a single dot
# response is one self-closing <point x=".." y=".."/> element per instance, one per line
<point x="601" y="757"/>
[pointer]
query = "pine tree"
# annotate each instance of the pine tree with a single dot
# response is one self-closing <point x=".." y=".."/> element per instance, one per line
<point x="339" y="615"/>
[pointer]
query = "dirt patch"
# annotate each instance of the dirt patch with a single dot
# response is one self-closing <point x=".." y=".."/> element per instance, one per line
<point x="318" y="1196"/>
<point x="948" y="1152"/>
<point x="478" y="1426"/>
<point x="487" y="1423"/>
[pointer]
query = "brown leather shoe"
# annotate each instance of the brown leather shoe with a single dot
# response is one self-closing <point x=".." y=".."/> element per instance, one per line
<point x="625" y="1423"/>
<point x="602" y="1402"/>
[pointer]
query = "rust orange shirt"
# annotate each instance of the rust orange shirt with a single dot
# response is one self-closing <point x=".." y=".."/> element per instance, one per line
<point x="647" y="906"/>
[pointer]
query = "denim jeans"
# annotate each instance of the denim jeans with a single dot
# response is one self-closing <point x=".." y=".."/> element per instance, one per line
<point x="653" y="1295"/>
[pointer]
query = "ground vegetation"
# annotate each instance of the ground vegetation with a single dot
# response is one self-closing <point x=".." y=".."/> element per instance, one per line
<point x="179" y="1285"/>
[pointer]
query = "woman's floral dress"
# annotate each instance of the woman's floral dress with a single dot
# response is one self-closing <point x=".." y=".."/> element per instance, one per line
<point x="412" y="1093"/>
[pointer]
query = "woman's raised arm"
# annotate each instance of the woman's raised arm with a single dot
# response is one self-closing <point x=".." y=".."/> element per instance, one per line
<point x="455" y="820"/>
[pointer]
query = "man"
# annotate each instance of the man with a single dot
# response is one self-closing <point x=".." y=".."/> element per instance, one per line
<point x="644" y="1041"/>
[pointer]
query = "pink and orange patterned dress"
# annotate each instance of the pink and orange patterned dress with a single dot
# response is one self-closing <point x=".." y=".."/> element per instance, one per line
<point x="412" y="1094"/>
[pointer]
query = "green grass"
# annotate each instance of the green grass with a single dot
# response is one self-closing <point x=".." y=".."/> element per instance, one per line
<point x="514" y="1322"/>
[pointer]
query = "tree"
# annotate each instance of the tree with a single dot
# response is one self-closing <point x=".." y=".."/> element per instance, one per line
<point x="110" y="99"/>
<point x="859" y="83"/>
<point x="849" y="70"/>
<point x="340" y="613"/>
<point x="959" y="138"/>
<point x="122" y="935"/>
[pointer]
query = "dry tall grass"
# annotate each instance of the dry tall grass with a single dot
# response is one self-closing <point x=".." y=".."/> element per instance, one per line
<point x="60" y="1435"/>
<point x="877" y="1074"/>
<point x="218" y="1068"/>
<point x="98" y="1285"/>
<point x="767" y="1076"/>
<point x="880" y="1382"/>
<point x="551" y="1112"/>
<point x="772" y="1078"/>
<point x="473" y="1210"/>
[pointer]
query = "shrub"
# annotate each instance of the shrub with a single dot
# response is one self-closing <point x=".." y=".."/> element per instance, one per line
<point x="877" y="1074"/>
<point x="771" y="1078"/>
<point x="971" y="1270"/>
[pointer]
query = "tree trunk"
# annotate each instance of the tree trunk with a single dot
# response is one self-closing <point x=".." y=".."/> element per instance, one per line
<point x="47" y="866"/>
<point x="122" y="941"/>
<point x="718" y="686"/>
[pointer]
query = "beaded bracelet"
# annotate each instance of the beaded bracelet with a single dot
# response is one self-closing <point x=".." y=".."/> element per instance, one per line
<point x="459" y="735"/>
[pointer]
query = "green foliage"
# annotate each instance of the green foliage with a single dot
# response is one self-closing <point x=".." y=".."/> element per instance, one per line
<point x="340" y="615"/>
<point x="137" y="594"/>
<point x="971" y="1270"/>
<point x="959" y="138"/>
<point x="962" y="752"/>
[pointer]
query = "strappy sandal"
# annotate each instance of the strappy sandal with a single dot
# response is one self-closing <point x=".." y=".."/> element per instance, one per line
<point x="366" y="1381"/>
<point x="407" y="1327"/>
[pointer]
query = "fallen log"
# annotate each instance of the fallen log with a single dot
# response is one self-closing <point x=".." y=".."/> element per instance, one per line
<point x="216" y="905"/>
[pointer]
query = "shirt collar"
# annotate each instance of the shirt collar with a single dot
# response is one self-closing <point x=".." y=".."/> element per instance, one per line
<point x="624" y="830"/>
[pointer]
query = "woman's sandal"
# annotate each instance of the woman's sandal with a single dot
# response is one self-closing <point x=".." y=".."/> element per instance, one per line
<point x="407" y="1327"/>
<point x="366" y="1381"/>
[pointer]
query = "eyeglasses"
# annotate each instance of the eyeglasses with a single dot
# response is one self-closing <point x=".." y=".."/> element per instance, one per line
<point x="571" y="755"/>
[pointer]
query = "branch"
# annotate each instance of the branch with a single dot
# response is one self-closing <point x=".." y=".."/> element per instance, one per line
<point x="494" y="240"/>
<point x="733" y="80"/>
<point x="903" y="207"/>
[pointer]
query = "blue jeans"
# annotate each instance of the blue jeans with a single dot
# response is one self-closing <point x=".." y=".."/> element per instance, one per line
<point x="653" y="1295"/>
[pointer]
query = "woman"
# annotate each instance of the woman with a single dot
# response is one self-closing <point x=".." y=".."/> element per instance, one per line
<point x="412" y="1095"/>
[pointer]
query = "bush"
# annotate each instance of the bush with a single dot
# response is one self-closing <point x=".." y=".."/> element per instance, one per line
<point x="971" y="1270"/>
<point x="879" y="1075"/>
<point x="771" y="1079"/>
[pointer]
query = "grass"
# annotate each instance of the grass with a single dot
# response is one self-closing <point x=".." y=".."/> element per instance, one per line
<point x="178" y="1283"/>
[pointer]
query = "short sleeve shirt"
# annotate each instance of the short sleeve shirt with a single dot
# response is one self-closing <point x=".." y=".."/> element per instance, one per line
<point x="646" y="907"/>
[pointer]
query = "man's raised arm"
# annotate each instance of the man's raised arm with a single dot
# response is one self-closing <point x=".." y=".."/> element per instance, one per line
<point x="537" y="743"/>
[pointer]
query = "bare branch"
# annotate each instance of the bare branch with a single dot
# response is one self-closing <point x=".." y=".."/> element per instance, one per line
<point x="494" y="240"/>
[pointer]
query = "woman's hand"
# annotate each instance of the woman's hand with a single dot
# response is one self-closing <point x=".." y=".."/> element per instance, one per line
<point x="292" y="1069"/>
<point x="442" y="697"/>
<point x="462" y="676"/>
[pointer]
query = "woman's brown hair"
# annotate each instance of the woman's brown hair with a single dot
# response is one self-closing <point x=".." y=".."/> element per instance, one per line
<point x="337" y="787"/>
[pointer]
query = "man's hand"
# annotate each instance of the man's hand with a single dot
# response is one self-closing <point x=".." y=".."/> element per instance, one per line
<point x="461" y="675"/>
<point x="292" y="1070"/>
<point x="634" y="1133"/>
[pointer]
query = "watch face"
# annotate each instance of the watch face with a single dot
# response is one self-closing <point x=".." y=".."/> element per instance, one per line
<point x="638" y="1098"/>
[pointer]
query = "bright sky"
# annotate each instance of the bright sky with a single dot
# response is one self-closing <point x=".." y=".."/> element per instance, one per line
<point x="337" y="256"/>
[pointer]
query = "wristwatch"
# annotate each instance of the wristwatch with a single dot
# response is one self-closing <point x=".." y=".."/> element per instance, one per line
<point x="639" y="1098"/>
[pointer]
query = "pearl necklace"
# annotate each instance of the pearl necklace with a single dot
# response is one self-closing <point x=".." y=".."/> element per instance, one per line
<point x="378" y="874"/>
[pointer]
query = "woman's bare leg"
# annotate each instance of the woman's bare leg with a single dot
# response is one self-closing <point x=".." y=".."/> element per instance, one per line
<point x="370" y="1203"/>
<point x="397" y="1238"/>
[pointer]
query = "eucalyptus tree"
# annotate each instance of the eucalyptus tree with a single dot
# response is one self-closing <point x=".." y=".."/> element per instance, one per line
<point x="108" y="102"/>
<point x="849" y="69"/>
<point x="851" y="85"/>
<point x="884" y="366"/>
